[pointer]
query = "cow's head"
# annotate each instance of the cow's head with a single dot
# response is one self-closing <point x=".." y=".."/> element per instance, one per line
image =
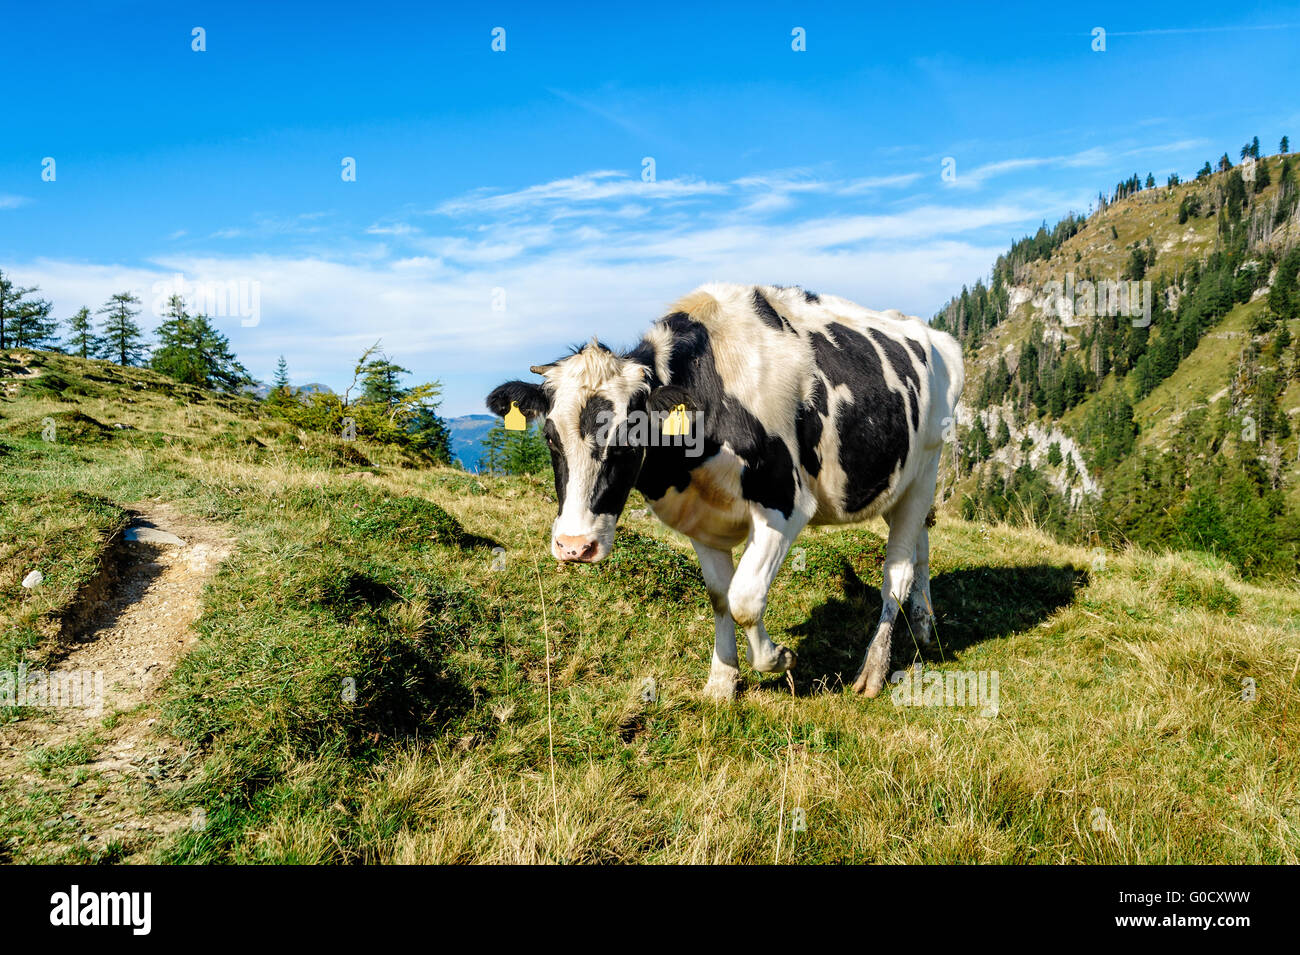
<point x="585" y="400"/>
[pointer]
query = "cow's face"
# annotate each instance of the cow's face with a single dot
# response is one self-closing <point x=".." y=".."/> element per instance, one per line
<point x="582" y="400"/>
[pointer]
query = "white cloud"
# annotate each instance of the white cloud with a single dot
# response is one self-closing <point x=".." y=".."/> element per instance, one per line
<point x="430" y="296"/>
<point x="588" y="187"/>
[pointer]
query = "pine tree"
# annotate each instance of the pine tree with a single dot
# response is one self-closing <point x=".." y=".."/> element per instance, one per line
<point x="12" y="302"/>
<point x="81" y="340"/>
<point x="1003" y="437"/>
<point x="515" y="452"/>
<point x="120" y="337"/>
<point x="380" y="382"/>
<point x="1284" y="296"/>
<point x="1284" y="146"/>
<point x="176" y="355"/>
<point x="280" y="390"/>
<point x="32" y="326"/>
<point x="1262" y="178"/>
<point x="192" y="351"/>
<point x="1151" y="181"/>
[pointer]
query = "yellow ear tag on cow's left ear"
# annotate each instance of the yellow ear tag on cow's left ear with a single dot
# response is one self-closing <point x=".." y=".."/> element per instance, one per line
<point x="677" y="422"/>
<point x="515" y="420"/>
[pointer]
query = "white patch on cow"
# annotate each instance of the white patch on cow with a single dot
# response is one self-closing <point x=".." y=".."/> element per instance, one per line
<point x="661" y="340"/>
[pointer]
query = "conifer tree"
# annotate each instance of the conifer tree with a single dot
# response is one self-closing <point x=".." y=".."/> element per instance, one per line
<point x="12" y="302"/>
<point x="81" y="340"/>
<point x="32" y="326"/>
<point x="280" y="390"/>
<point x="120" y="338"/>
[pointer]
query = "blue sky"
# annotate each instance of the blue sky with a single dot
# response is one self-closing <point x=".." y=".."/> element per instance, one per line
<point x="499" y="211"/>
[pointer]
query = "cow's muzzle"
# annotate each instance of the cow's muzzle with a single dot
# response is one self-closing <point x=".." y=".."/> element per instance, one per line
<point x="578" y="549"/>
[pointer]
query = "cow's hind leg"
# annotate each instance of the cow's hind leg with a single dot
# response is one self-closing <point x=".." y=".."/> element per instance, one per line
<point x="920" y="612"/>
<point x="769" y="542"/>
<point x="724" y="673"/>
<point x="906" y="525"/>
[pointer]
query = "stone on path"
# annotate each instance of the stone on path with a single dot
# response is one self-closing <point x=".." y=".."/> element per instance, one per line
<point x="151" y="535"/>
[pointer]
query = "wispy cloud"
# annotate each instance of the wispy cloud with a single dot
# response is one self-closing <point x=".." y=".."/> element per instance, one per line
<point x="590" y="187"/>
<point x="609" y="115"/>
<point x="13" y="202"/>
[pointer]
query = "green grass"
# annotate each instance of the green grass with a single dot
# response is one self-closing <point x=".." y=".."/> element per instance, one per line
<point x="366" y="687"/>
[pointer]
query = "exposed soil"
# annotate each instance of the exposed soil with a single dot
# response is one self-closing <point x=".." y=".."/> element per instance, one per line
<point x="132" y="624"/>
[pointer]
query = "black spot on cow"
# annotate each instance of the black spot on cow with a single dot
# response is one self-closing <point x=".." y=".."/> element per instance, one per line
<point x="872" y="423"/>
<point x="811" y="297"/>
<point x="561" y="466"/>
<point x="769" y="315"/>
<point x="919" y="349"/>
<point x="808" y="424"/>
<point x="597" y="411"/>
<point x="614" y="481"/>
<point x="901" y="362"/>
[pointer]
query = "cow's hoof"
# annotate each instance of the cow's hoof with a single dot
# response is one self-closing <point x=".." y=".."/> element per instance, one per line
<point x="722" y="690"/>
<point x="868" y="682"/>
<point x="783" y="659"/>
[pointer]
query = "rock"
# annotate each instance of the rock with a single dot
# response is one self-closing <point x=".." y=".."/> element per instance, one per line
<point x="33" y="579"/>
<point x="151" y="535"/>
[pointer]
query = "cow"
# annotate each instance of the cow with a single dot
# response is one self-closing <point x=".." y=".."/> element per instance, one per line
<point x="801" y="409"/>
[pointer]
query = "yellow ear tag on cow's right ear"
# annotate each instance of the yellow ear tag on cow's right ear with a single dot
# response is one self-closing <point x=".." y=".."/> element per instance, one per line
<point x="515" y="420"/>
<point x="677" y="422"/>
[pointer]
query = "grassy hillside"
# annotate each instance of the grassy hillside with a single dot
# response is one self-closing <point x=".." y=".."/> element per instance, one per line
<point x="509" y="709"/>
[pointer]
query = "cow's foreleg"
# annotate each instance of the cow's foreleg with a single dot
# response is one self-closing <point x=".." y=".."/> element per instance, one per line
<point x="906" y="525"/>
<point x="769" y="541"/>
<point x="724" y="674"/>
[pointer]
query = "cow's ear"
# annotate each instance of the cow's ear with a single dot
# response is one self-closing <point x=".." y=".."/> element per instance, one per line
<point x="529" y="397"/>
<point x="669" y="397"/>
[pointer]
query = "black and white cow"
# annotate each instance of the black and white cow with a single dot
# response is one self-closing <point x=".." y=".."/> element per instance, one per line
<point x="809" y="409"/>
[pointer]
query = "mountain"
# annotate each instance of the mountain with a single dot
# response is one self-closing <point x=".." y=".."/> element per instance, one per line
<point x="467" y="434"/>
<point x="1134" y="374"/>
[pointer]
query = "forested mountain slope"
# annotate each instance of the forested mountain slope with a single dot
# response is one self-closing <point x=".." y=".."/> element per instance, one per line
<point x="1134" y="374"/>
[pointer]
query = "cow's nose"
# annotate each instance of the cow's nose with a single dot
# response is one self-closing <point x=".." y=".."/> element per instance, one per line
<point x="575" y="548"/>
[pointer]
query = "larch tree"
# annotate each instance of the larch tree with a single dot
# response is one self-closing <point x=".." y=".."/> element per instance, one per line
<point x="120" y="338"/>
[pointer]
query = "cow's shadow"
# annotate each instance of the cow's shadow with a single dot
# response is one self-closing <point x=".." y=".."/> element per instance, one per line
<point x="971" y="605"/>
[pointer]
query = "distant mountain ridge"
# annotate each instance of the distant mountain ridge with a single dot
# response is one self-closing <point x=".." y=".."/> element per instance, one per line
<point x="467" y="434"/>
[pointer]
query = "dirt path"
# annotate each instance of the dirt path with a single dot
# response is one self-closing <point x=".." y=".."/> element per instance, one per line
<point x="104" y="763"/>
